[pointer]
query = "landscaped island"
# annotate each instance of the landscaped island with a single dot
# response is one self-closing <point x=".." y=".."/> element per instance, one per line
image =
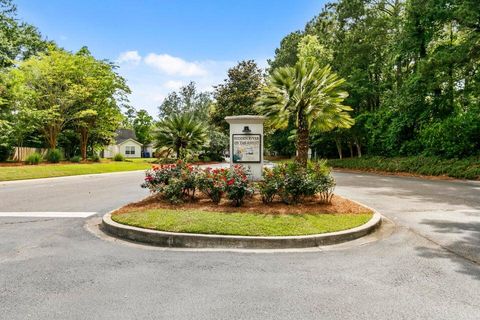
<point x="290" y="201"/>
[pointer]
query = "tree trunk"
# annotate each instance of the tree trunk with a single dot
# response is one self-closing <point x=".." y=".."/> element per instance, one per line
<point x="359" y="147"/>
<point x="350" y="147"/>
<point x="303" y="142"/>
<point x="83" y="142"/>
<point x="338" y="143"/>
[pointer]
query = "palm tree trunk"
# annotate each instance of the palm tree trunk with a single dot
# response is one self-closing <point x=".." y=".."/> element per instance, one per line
<point x="303" y="142"/>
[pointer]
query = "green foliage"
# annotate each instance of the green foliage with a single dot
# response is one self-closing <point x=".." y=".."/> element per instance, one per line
<point x="238" y="94"/>
<point x="217" y="144"/>
<point x="310" y="94"/>
<point x="181" y="133"/>
<point x="54" y="156"/>
<point x="76" y="159"/>
<point x="5" y="152"/>
<point x="34" y="158"/>
<point x="293" y="182"/>
<point x="186" y="100"/>
<point x="143" y="124"/>
<point x="175" y="182"/>
<point x="118" y="157"/>
<point x="95" y="157"/>
<point x="19" y="40"/>
<point x="212" y="183"/>
<point x="438" y="139"/>
<point x="411" y="70"/>
<point x="237" y="186"/>
<point x="466" y="168"/>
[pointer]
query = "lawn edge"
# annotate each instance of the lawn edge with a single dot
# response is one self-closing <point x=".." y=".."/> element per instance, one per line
<point x="194" y="240"/>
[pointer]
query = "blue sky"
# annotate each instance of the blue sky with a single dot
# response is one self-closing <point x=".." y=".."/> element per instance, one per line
<point x="163" y="44"/>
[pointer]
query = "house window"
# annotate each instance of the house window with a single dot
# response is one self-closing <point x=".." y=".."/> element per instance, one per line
<point x="130" y="150"/>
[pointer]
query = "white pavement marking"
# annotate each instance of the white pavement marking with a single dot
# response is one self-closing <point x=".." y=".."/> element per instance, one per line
<point x="48" y="214"/>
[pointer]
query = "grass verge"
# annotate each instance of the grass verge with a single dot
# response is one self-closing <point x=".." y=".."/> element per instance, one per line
<point x="61" y="170"/>
<point x="468" y="168"/>
<point x="246" y="224"/>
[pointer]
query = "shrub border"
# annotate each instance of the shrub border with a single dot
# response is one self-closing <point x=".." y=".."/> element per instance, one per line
<point x="193" y="240"/>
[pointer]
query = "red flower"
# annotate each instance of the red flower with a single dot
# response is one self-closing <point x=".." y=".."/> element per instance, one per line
<point x="231" y="181"/>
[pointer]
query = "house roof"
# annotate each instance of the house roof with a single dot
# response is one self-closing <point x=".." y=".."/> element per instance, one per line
<point x="123" y="135"/>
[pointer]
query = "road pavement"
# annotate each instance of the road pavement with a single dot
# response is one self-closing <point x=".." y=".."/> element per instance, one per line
<point x="54" y="268"/>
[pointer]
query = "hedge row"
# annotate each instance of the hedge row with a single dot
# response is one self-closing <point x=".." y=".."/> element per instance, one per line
<point x="468" y="168"/>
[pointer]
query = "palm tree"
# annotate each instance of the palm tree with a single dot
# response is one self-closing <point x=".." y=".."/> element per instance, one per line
<point x="181" y="132"/>
<point x="310" y="94"/>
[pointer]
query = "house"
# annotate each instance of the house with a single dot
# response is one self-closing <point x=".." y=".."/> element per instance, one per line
<point x="125" y="143"/>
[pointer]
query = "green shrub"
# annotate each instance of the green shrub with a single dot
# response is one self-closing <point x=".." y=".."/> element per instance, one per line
<point x="76" y="159"/>
<point x="95" y="158"/>
<point x="54" y="156"/>
<point x="5" y="152"/>
<point x="292" y="183"/>
<point x="467" y="168"/>
<point x="237" y="186"/>
<point x="175" y="182"/>
<point x="212" y="183"/>
<point x="119" y="157"/>
<point x="34" y="158"/>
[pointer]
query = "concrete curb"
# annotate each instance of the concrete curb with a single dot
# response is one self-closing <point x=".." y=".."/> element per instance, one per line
<point x="192" y="240"/>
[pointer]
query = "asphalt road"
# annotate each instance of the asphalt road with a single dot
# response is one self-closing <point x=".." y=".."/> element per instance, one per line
<point x="427" y="268"/>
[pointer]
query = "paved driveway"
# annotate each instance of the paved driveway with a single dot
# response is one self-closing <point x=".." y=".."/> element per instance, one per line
<point x="53" y="268"/>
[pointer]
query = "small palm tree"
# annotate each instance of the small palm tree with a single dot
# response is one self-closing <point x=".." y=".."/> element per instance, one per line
<point x="181" y="132"/>
<point x="310" y="94"/>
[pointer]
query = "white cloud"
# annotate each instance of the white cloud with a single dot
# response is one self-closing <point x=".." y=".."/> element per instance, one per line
<point x="173" y="84"/>
<point x="174" y="65"/>
<point x="129" y="57"/>
<point x="150" y="87"/>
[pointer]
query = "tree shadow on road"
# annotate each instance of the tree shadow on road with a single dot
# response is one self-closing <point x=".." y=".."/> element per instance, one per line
<point x="465" y="252"/>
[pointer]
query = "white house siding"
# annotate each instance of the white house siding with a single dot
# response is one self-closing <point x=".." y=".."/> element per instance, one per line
<point x="130" y="143"/>
<point x="110" y="151"/>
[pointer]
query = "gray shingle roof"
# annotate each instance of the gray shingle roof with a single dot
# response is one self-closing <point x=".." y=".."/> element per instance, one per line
<point x="124" y="134"/>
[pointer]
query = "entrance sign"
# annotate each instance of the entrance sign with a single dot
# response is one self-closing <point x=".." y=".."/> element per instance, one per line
<point x="247" y="148"/>
<point x="246" y="143"/>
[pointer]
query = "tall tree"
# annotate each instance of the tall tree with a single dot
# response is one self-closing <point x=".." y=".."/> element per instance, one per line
<point x="143" y="125"/>
<point x="237" y="94"/>
<point x="313" y="95"/>
<point x="186" y="100"/>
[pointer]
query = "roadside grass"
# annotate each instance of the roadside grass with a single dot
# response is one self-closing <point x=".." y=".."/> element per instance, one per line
<point x="71" y="169"/>
<point x="468" y="168"/>
<point x="247" y="224"/>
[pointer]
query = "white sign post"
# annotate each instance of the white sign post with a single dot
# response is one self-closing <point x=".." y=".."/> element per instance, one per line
<point x="246" y="143"/>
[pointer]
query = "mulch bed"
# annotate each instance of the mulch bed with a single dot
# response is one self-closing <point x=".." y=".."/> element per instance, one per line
<point x="338" y="205"/>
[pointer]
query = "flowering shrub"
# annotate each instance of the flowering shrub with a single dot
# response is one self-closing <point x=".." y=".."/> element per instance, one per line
<point x="237" y="186"/>
<point x="292" y="183"/>
<point x="213" y="183"/>
<point x="268" y="187"/>
<point x="174" y="181"/>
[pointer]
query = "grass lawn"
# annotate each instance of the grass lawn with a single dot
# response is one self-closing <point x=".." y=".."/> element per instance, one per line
<point x="70" y="169"/>
<point x="247" y="224"/>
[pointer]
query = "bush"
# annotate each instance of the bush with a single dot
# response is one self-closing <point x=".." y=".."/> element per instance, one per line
<point x="34" y="158"/>
<point x="119" y="157"/>
<point x="467" y="168"/>
<point x="175" y="182"/>
<point x="237" y="186"/>
<point x="95" y="158"/>
<point x="212" y="183"/>
<point x="54" y="156"/>
<point x="5" y="152"/>
<point x="292" y="183"/>
<point x="76" y="159"/>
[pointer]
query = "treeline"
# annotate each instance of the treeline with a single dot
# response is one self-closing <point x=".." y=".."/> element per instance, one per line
<point x="412" y="73"/>
<point x="50" y="97"/>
